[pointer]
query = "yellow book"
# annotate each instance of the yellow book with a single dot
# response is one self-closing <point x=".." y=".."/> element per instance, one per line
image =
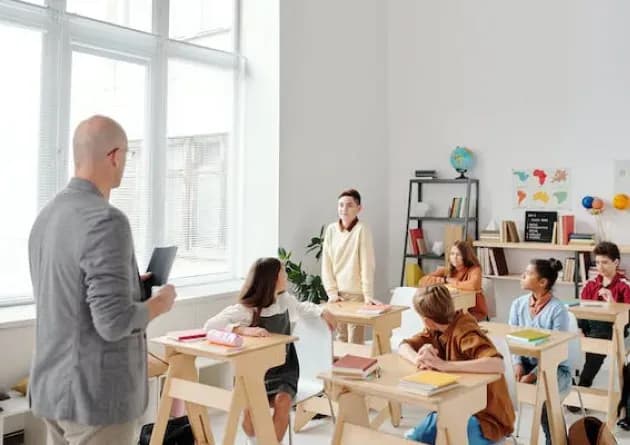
<point x="431" y="378"/>
<point x="528" y="335"/>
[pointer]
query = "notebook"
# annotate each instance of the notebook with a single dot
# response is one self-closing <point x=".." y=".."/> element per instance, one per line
<point x="187" y="335"/>
<point x="428" y="382"/>
<point x="529" y="336"/>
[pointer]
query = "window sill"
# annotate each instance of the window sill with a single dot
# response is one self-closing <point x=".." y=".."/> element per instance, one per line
<point x="24" y="315"/>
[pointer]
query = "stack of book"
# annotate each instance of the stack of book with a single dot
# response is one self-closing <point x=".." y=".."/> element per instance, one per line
<point x="457" y="208"/>
<point x="426" y="174"/>
<point x="355" y="367"/>
<point x="428" y="383"/>
<point x="528" y="336"/>
<point x="187" y="335"/>
<point x="508" y="232"/>
<point x="493" y="261"/>
<point x="568" y="270"/>
<point x="564" y="228"/>
<point x="490" y="235"/>
<point x="582" y="239"/>
<point x="417" y="242"/>
<point x="374" y="309"/>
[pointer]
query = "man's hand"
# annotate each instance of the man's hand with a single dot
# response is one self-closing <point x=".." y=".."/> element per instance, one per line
<point x="161" y="301"/>
<point x="329" y="319"/>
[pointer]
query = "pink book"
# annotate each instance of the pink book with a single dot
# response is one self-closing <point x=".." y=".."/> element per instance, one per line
<point x="374" y="308"/>
<point x="187" y="335"/>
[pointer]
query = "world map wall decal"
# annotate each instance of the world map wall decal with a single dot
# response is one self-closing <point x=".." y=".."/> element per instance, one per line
<point x="541" y="188"/>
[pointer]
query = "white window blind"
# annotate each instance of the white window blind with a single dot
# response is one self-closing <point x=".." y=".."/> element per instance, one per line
<point x="175" y="97"/>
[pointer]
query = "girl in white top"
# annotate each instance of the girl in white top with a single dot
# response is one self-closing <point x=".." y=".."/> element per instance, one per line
<point x="266" y="307"/>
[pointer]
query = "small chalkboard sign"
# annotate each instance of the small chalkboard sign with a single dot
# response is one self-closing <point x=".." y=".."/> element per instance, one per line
<point x="539" y="226"/>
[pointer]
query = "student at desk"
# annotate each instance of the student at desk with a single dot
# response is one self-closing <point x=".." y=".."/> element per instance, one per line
<point x="464" y="272"/>
<point x="264" y="306"/>
<point x="454" y="342"/>
<point x="540" y="309"/>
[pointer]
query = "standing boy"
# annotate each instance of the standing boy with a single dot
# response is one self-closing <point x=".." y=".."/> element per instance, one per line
<point x="348" y="261"/>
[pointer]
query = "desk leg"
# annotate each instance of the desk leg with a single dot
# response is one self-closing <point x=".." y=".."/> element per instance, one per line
<point x="554" y="408"/>
<point x="540" y="399"/>
<point x="381" y="344"/>
<point x="352" y="409"/>
<point x="613" y="399"/>
<point x="234" y="414"/>
<point x="453" y="429"/>
<point x="258" y="405"/>
<point x="180" y="366"/>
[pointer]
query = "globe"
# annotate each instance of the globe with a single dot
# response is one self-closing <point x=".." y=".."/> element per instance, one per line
<point x="461" y="160"/>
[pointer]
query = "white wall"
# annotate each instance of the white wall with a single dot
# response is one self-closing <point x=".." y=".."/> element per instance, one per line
<point x="522" y="84"/>
<point x="332" y="118"/>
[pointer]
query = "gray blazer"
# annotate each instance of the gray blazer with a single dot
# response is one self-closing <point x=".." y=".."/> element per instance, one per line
<point x="90" y="362"/>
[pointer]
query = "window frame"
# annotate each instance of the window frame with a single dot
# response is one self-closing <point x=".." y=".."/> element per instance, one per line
<point x="62" y="34"/>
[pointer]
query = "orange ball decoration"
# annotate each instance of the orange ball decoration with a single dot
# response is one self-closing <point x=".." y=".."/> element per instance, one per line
<point x="620" y="201"/>
<point x="598" y="204"/>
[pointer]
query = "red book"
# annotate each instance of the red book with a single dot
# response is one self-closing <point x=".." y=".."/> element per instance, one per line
<point x="353" y="364"/>
<point x="414" y="236"/>
<point x="187" y="335"/>
<point x="568" y="227"/>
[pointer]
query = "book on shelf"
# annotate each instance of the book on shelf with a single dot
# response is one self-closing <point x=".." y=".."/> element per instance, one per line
<point x="509" y="232"/>
<point x="568" y="270"/>
<point x="528" y="336"/>
<point x="426" y="174"/>
<point x="568" y="227"/>
<point x="585" y="264"/>
<point x="490" y="235"/>
<point x="354" y="366"/>
<point x="428" y="382"/>
<point x="582" y="239"/>
<point x="374" y="309"/>
<point x="492" y="260"/>
<point x="417" y="241"/>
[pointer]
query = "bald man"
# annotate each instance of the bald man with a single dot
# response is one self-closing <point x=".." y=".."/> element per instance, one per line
<point x="89" y="372"/>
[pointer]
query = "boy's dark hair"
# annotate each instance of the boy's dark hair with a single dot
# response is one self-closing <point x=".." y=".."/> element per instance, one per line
<point x="435" y="303"/>
<point x="353" y="194"/>
<point x="608" y="249"/>
<point x="547" y="269"/>
<point x="259" y="290"/>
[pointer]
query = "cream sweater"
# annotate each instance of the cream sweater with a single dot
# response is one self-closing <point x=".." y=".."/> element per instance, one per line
<point x="348" y="261"/>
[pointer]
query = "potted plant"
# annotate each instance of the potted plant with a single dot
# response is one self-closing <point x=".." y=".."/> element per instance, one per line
<point x="306" y="287"/>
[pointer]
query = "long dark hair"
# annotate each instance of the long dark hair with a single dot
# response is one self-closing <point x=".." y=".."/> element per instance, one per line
<point x="259" y="290"/>
<point x="468" y="256"/>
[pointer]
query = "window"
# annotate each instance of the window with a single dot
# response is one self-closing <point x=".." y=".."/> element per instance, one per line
<point x="19" y="89"/>
<point x="176" y="99"/>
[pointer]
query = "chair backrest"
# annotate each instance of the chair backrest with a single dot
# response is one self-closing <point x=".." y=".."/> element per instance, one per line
<point x="502" y="347"/>
<point x="487" y="287"/>
<point x="575" y="351"/>
<point x="314" y="347"/>
<point x="411" y="322"/>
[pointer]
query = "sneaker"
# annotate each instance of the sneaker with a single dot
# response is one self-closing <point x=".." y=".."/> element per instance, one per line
<point x="573" y="409"/>
<point x="624" y="424"/>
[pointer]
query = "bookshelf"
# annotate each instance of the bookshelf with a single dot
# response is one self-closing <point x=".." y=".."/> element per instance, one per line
<point x="467" y="222"/>
<point x="624" y="249"/>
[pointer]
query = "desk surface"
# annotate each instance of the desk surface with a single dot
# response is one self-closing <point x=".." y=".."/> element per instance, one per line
<point x="204" y="349"/>
<point x="502" y="329"/>
<point x="393" y="367"/>
<point x="349" y="310"/>
<point x="607" y="311"/>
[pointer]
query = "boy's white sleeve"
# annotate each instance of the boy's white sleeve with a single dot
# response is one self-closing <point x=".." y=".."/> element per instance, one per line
<point x="328" y="277"/>
<point x="229" y="318"/>
<point x="367" y="262"/>
<point x="301" y="309"/>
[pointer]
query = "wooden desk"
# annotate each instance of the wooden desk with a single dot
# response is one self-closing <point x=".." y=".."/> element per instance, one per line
<point x="453" y="407"/>
<point x="250" y="365"/>
<point x="549" y="355"/>
<point x="599" y="399"/>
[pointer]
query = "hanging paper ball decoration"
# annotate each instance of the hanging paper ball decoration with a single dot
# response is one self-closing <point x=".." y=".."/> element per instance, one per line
<point x="597" y="204"/>
<point x="587" y="202"/>
<point x="620" y="201"/>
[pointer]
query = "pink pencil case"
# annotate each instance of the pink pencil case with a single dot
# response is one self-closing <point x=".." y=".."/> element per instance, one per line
<point x="224" y="338"/>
